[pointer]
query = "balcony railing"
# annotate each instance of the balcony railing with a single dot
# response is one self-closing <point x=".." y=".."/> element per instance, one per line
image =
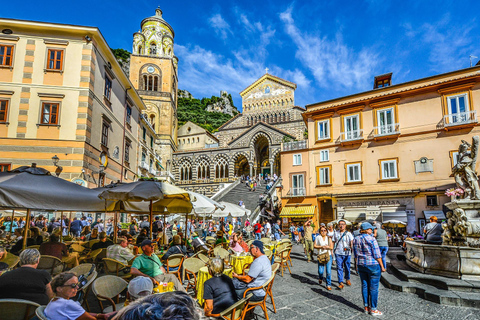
<point x="387" y="130"/>
<point x="211" y="145"/>
<point x="185" y="182"/>
<point x="294" y="145"/>
<point x="167" y="174"/>
<point x="144" y="165"/>
<point x="297" y="192"/>
<point x="351" y="135"/>
<point x="152" y="171"/>
<point x="456" y="119"/>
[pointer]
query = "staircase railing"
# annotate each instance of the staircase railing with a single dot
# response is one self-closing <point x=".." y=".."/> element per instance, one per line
<point x="256" y="213"/>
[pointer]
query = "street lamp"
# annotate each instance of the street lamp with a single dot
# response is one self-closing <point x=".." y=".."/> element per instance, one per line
<point x="58" y="169"/>
<point x="55" y="160"/>
<point x="101" y="175"/>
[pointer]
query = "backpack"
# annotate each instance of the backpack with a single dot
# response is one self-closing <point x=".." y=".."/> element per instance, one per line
<point x="155" y="227"/>
<point x="255" y="228"/>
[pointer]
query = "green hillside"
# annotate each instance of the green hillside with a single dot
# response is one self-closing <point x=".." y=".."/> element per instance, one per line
<point x="191" y="109"/>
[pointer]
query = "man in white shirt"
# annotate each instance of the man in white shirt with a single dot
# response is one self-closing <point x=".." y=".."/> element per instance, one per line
<point x="268" y="229"/>
<point x="343" y="240"/>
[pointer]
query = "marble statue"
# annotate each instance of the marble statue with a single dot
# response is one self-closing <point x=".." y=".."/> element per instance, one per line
<point x="464" y="170"/>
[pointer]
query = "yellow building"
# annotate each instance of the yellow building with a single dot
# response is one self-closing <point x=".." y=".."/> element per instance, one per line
<point x="63" y="94"/>
<point x="154" y="74"/>
<point x="383" y="154"/>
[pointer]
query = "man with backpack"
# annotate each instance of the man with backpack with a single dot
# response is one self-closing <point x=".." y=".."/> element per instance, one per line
<point x="257" y="229"/>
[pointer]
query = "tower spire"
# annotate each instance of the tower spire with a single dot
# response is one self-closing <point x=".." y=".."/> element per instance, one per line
<point x="158" y="12"/>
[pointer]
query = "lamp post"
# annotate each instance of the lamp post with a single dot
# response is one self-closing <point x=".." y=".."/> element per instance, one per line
<point x="58" y="169"/>
<point x="101" y="175"/>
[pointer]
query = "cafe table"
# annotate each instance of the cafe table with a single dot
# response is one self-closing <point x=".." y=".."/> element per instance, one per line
<point x="238" y="262"/>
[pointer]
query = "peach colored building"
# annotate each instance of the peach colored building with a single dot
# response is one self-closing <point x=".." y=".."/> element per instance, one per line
<point x="384" y="154"/>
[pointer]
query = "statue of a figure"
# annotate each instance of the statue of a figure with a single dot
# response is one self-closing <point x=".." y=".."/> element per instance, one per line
<point x="464" y="170"/>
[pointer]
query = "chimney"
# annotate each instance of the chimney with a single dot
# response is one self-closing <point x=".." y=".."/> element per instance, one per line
<point x="382" y="81"/>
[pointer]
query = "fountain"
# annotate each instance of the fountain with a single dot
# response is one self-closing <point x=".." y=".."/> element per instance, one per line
<point x="459" y="254"/>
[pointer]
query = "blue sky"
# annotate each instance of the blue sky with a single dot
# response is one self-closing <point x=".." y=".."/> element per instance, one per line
<point x="329" y="48"/>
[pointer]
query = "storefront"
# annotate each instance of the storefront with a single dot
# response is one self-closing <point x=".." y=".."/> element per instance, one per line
<point x="297" y="215"/>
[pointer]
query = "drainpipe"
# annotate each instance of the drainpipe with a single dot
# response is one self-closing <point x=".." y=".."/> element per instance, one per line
<point x="124" y="128"/>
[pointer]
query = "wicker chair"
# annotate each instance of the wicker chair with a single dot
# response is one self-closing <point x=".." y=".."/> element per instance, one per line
<point x="107" y="288"/>
<point x="268" y="253"/>
<point x="17" y="309"/>
<point x="209" y="238"/>
<point x="281" y="257"/>
<point x="266" y="240"/>
<point x="236" y="311"/>
<point x="79" y="248"/>
<point x="203" y="257"/>
<point x="210" y="242"/>
<point x="11" y="259"/>
<point x="51" y="264"/>
<point x="91" y="243"/>
<point x="191" y="267"/>
<point x="174" y="265"/>
<point x="113" y="266"/>
<point x="91" y="256"/>
<point x="262" y="303"/>
<point x="275" y="267"/>
<point x="289" y="247"/>
<point x="249" y="242"/>
<point x="84" y="268"/>
<point x="40" y="312"/>
<point x="221" y="252"/>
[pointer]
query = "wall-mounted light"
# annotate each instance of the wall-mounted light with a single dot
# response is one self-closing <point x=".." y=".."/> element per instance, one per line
<point x="7" y="31"/>
<point x="58" y="169"/>
<point x="88" y="38"/>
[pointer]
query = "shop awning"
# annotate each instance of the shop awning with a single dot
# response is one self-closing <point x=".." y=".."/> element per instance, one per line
<point x="298" y="212"/>
<point x="439" y="214"/>
<point x="395" y="215"/>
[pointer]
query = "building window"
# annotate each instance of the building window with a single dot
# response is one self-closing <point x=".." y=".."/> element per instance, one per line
<point x="388" y="169"/>
<point x="385" y="121"/>
<point x="151" y="142"/>
<point x="382" y="83"/>
<point x="144" y="157"/>
<point x="354" y="172"/>
<point x="55" y="59"/>
<point x="129" y="114"/>
<point x="153" y="48"/>
<point x="4" y="167"/>
<point x="458" y="108"/>
<point x="297" y="159"/>
<point x="50" y="113"/>
<point x="352" y="127"/>
<point x="151" y="164"/>
<point x="298" y="186"/>
<point x="150" y="83"/>
<point x="6" y="55"/>
<point x="432" y="201"/>
<point x="324" y="155"/>
<point x="323" y="129"/>
<point x="105" y="128"/>
<point x="3" y="110"/>
<point x="324" y="175"/>
<point x="108" y="87"/>
<point x="127" y="151"/>
<point x="453" y="158"/>
<point x="144" y="134"/>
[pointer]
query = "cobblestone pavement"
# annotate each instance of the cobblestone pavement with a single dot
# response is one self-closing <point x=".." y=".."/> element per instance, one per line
<point x="299" y="296"/>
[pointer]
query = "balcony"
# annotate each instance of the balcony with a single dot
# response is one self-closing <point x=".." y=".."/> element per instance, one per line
<point x="167" y="174"/>
<point x="460" y="120"/>
<point x="387" y="131"/>
<point x="144" y="165"/>
<point x="212" y="145"/>
<point x="351" y="137"/>
<point x="152" y="171"/>
<point x="296" y="192"/>
<point x="294" y="145"/>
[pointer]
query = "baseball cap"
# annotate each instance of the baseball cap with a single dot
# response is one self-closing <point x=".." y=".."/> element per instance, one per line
<point x="139" y="285"/>
<point x="367" y="225"/>
<point x="146" y="243"/>
<point x="259" y="245"/>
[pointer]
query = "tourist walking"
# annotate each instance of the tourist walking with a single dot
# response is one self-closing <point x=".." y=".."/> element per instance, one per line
<point x="308" y="239"/>
<point x="368" y="262"/>
<point x="343" y="251"/>
<point x="381" y="236"/>
<point x="324" y="245"/>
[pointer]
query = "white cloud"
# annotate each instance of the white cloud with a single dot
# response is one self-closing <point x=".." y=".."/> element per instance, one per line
<point x="222" y="28"/>
<point x="332" y="63"/>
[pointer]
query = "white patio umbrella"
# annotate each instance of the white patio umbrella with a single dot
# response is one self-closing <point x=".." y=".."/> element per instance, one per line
<point x="394" y="223"/>
<point x="203" y="205"/>
<point x="346" y="221"/>
<point x="231" y="209"/>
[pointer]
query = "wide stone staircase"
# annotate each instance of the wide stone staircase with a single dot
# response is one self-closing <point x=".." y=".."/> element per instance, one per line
<point x="242" y="192"/>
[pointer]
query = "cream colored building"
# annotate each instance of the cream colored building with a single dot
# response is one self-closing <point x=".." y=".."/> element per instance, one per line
<point x="63" y="93"/>
<point x="194" y="137"/>
<point x="386" y="153"/>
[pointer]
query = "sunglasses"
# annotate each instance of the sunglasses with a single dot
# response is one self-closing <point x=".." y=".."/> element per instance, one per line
<point x="72" y="285"/>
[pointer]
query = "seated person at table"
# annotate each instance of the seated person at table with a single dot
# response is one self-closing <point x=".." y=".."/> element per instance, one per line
<point x="59" y="250"/>
<point x="140" y="287"/>
<point x="259" y="273"/>
<point x="220" y="238"/>
<point x="142" y="236"/>
<point x="182" y="237"/>
<point x="27" y="282"/>
<point x="235" y="243"/>
<point x="93" y="235"/>
<point x="65" y="286"/>
<point x="36" y="236"/>
<point x="219" y="292"/>
<point x="18" y="246"/>
<point x="149" y="265"/>
<point x="176" y="248"/>
<point x="85" y="235"/>
<point x="198" y="244"/>
<point x="120" y="251"/>
<point x="103" y="243"/>
<point x="169" y="305"/>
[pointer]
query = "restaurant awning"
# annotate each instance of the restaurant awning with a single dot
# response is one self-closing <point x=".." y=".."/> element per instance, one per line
<point x="395" y="215"/>
<point x="439" y="214"/>
<point x="298" y="212"/>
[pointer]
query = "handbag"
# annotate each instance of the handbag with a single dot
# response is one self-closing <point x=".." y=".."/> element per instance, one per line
<point x="323" y="258"/>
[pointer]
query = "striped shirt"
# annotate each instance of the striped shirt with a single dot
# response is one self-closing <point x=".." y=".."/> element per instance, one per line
<point x="366" y="250"/>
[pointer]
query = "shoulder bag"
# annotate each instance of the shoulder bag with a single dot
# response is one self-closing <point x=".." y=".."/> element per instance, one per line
<point x="323" y="258"/>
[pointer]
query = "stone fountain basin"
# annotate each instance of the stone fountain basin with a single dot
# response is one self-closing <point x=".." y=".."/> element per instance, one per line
<point x="449" y="261"/>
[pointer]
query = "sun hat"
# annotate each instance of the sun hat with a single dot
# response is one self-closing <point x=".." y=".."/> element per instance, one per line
<point x="367" y="225"/>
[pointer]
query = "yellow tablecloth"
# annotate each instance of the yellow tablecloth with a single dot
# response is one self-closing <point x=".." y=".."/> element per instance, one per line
<point x="203" y="276"/>
<point x="238" y="262"/>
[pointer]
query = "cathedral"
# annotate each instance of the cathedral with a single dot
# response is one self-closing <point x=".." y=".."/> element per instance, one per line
<point x="248" y="144"/>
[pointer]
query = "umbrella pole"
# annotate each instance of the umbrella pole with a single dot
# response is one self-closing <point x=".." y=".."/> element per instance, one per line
<point x="27" y="225"/>
<point x="115" y="226"/>
<point x="151" y="218"/>
<point x="11" y="224"/>
<point x="186" y="227"/>
<point x="69" y="223"/>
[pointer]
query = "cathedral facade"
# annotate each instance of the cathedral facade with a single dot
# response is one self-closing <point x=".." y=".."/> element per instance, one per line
<point x="248" y="144"/>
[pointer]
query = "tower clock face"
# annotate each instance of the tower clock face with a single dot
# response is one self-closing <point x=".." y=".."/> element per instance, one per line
<point x="150" y="69"/>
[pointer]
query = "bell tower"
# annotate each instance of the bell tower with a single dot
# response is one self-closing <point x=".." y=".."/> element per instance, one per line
<point x="154" y="74"/>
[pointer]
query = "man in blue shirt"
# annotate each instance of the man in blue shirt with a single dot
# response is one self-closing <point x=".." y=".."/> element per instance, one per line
<point x="76" y="227"/>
